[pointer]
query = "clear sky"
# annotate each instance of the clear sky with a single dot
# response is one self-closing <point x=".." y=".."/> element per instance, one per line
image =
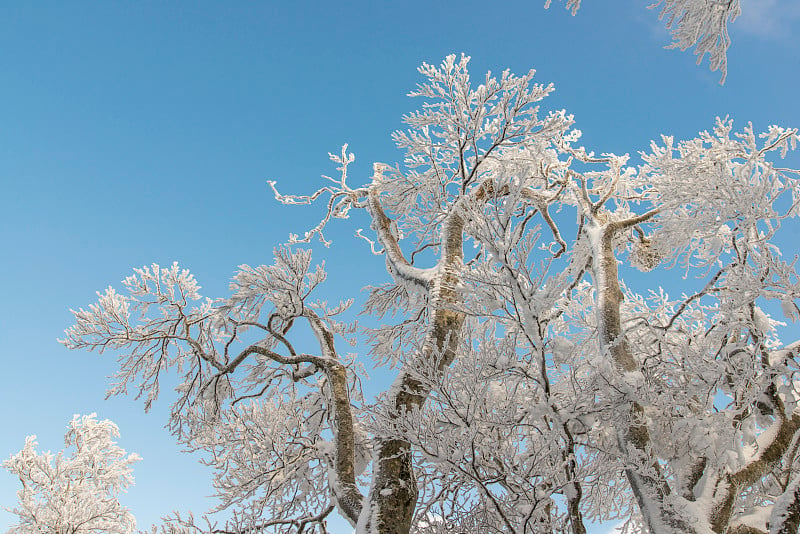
<point x="139" y="132"/>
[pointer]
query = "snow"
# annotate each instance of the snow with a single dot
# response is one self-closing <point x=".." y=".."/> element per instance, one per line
<point x="533" y="358"/>
<point x="756" y="518"/>
<point x="781" y="511"/>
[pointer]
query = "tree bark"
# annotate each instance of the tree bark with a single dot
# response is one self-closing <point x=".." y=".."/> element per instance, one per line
<point x="393" y="493"/>
<point x="650" y="490"/>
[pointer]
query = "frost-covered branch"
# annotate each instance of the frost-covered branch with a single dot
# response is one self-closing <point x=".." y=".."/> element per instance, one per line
<point x="309" y="395"/>
<point x="702" y="24"/>
<point x="385" y="229"/>
<point x="535" y="390"/>
<point x="76" y="491"/>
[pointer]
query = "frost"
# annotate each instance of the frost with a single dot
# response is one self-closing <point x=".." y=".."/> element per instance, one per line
<point x="535" y="390"/>
<point x="786" y="508"/>
<point x="790" y="310"/>
<point x="697" y="23"/>
<point x="76" y="490"/>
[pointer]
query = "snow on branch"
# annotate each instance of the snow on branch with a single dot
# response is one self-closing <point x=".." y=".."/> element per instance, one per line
<point x="162" y="313"/>
<point x="342" y="198"/>
<point x="702" y="24"/>
<point x="76" y="490"/>
<point x="234" y="391"/>
<point x="537" y="389"/>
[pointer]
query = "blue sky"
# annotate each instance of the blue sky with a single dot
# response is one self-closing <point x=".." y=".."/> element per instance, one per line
<point x="143" y="132"/>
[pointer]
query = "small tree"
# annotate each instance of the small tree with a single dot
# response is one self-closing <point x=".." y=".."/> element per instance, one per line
<point x="535" y="389"/>
<point x="75" y="491"/>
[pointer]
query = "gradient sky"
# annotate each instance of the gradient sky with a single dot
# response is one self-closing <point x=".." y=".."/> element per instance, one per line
<point x="139" y="132"/>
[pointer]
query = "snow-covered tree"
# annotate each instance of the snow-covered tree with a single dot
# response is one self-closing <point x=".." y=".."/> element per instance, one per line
<point x="702" y="24"/>
<point x="536" y="390"/>
<point x="75" y="491"/>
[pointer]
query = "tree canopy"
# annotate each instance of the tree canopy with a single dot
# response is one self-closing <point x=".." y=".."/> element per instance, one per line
<point x="75" y="491"/>
<point x="537" y="386"/>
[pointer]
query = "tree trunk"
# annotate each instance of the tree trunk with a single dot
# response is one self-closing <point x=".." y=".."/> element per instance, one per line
<point x="632" y="433"/>
<point x="393" y="495"/>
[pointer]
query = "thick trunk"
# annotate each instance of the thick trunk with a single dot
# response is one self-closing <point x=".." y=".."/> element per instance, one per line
<point x="648" y="484"/>
<point x="633" y="436"/>
<point x="394" y="490"/>
<point x="393" y="494"/>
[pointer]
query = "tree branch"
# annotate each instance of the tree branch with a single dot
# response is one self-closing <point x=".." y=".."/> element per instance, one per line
<point x="396" y="262"/>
